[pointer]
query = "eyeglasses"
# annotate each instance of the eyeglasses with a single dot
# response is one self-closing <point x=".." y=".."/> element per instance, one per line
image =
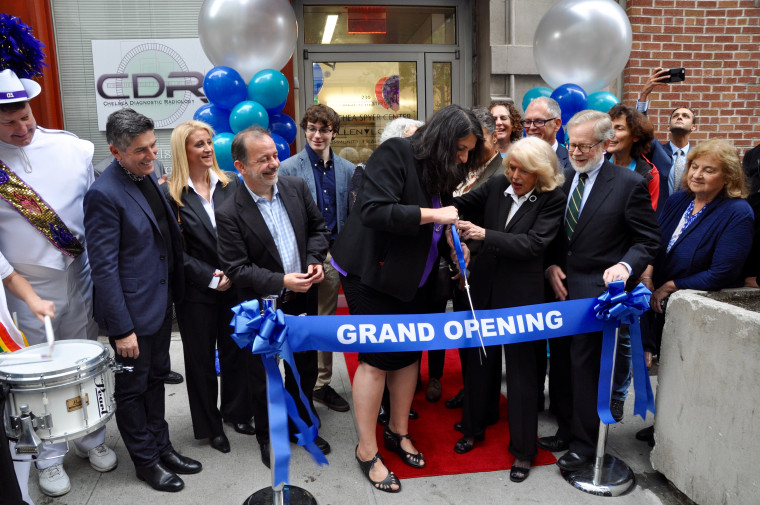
<point x="539" y="123"/>
<point x="583" y="148"/>
<point x="322" y="131"/>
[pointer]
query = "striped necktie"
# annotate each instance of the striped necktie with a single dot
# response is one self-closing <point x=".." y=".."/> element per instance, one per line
<point x="574" y="207"/>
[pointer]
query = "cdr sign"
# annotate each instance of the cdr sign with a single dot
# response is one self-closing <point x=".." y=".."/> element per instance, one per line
<point x="161" y="78"/>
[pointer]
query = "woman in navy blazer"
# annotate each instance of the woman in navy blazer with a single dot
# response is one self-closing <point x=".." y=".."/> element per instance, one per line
<point x="197" y="187"/>
<point x="706" y="236"/>
<point x="516" y="217"/>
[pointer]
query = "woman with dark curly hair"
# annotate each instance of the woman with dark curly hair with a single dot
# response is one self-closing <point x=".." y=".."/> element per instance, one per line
<point x="633" y="137"/>
<point x="508" y="129"/>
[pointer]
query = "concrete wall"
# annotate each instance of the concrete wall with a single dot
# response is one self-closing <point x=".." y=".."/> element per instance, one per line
<point x="708" y="397"/>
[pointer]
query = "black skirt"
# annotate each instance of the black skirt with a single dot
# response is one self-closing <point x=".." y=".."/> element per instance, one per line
<point x="364" y="300"/>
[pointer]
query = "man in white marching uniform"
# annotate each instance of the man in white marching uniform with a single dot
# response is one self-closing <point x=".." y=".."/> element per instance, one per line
<point x="44" y="175"/>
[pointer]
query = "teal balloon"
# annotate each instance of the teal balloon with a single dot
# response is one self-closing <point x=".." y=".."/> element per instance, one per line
<point x="534" y="93"/>
<point x="602" y="101"/>
<point x="223" y="151"/>
<point x="268" y="87"/>
<point x="246" y="114"/>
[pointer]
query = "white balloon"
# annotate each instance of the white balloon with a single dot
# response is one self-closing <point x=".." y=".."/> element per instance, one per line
<point x="584" y="42"/>
<point x="248" y="35"/>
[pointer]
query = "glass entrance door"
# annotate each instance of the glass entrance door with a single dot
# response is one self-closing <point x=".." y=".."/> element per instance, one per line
<point x="371" y="93"/>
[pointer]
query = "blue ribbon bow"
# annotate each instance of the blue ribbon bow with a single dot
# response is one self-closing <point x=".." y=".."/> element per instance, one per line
<point x="616" y="307"/>
<point x="266" y="334"/>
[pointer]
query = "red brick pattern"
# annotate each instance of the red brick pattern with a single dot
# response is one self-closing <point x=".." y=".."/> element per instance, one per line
<point x="718" y="41"/>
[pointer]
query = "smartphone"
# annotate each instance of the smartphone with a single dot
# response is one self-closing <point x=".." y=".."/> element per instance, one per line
<point x="676" y="75"/>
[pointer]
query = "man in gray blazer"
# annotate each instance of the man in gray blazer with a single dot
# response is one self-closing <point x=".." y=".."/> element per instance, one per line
<point x="328" y="177"/>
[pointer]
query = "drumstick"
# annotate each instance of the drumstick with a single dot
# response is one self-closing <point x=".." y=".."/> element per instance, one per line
<point x="50" y="336"/>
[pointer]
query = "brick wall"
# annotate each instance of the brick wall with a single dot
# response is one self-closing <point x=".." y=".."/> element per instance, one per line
<point x="718" y="41"/>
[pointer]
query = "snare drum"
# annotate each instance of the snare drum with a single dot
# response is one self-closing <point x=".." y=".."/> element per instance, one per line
<point x="68" y="396"/>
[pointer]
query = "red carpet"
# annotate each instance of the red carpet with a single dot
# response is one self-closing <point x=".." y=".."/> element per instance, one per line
<point x="435" y="435"/>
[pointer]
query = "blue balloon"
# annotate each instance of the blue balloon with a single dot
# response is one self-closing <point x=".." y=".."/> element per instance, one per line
<point x="571" y="99"/>
<point x="275" y="110"/>
<point x="283" y="149"/>
<point x="318" y="75"/>
<point x="224" y="87"/>
<point x="534" y="93"/>
<point x="284" y="126"/>
<point x="561" y="135"/>
<point x="268" y="87"/>
<point x="246" y="114"/>
<point x="223" y="151"/>
<point x="215" y="117"/>
<point x="602" y="101"/>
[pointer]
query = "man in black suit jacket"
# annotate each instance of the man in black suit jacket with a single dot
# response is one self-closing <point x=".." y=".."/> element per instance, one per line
<point x="135" y="251"/>
<point x="615" y="238"/>
<point x="272" y="240"/>
<point x="543" y="119"/>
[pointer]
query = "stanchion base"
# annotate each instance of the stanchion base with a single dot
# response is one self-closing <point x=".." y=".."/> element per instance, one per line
<point x="617" y="478"/>
<point x="292" y="495"/>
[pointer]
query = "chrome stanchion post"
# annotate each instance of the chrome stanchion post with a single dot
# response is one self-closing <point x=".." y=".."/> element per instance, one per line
<point x="280" y="494"/>
<point x="609" y="476"/>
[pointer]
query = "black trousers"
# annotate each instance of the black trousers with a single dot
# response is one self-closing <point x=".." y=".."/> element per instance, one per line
<point x="10" y="493"/>
<point x="560" y="385"/>
<point x="205" y="327"/>
<point x="140" y="397"/>
<point x="306" y="363"/>
<point x="522" y="390"/>
<point x="482" y="389"/>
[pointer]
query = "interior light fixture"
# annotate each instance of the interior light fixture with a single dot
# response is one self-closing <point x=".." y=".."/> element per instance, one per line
<point x="332" y="20"/>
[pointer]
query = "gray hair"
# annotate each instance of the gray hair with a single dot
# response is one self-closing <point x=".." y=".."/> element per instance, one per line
<point x="602" y="123"/>
<point x="125" y="125"/>
<point x="238" y="148"/>
<point x="552" y="107"/>
<point x="485" y="118"/>
<point x="398" y="127"/>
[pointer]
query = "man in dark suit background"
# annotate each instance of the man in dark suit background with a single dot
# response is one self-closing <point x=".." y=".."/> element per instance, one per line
<point x="272" y="240"/>
<point x="135" y="251"/>
<point x="543" y="119"/>
<point x="610" y="234"/>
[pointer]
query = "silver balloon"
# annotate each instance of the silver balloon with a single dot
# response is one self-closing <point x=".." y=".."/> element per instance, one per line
<point x="248" y="35"/>
<point x="584" y="42"/>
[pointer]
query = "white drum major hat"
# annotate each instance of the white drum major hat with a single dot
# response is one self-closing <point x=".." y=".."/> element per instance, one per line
<point x="13" y="89"/>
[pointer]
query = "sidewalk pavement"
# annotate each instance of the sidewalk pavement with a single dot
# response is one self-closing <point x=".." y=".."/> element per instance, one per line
<point x="232" y="477"/>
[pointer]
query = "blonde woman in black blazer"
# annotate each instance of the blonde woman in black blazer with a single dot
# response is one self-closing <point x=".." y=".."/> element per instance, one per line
<point x="516" y="216"/>
<point x="196" y="188"/>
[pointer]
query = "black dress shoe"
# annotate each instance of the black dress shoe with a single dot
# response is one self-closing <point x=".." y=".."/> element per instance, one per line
<point x="617" y="407"/>
<point x="173" y="378"/>
<point x="459" y="427"/>
<point x="264" y="447"/>
<point x="553" y="444"/>
<point x="220" y="443"/>
<point x="466" y="444"/>
<point x="320" y="442"/>
<point x="178" y="463"/>
<point x="160" y="478"/>
<point x="456" y="401"/>
<point x="572" y="461"/>
<point x="646" y="435"/>
<point x="245" y="428"/>
<point x="413" y="414"/>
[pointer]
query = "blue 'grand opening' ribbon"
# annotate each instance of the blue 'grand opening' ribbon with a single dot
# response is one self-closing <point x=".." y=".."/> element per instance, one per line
<point x="265" y="334"/>
<point x="616" y="307"/>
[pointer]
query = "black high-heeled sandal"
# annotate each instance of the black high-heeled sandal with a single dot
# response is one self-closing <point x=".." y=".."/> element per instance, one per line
<point x="393" y="443"/>
<point x="382" y="485"/>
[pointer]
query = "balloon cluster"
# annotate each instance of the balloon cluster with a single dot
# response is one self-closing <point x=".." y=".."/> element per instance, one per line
<point x="247" y="40"/>
<point x="581" y="45"/>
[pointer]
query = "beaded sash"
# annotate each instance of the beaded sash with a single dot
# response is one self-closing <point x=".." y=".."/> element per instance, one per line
<point x="29" y="204"/>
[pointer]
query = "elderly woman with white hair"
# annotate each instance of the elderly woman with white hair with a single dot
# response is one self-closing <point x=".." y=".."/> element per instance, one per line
<point x="400" y="127"/>
<point x="516" y="216"/>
